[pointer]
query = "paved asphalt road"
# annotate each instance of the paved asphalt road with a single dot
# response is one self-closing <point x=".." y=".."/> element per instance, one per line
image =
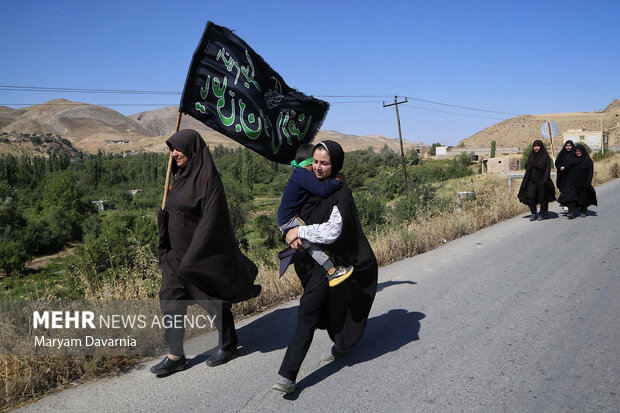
<point x="519" y="317"/>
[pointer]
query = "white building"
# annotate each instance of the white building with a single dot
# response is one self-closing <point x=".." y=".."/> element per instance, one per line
<point x="593" y="139"/>
<point x="441" y="150"/>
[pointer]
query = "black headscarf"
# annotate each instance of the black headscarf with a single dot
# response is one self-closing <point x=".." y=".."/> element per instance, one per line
<point x="346" y="310"/>
<point x="537" y="159"/>
<point x="585" y="166"/>
<point x="537" y="185"/>
<point x="336" y="154"/>
<point x="197" y="242"/>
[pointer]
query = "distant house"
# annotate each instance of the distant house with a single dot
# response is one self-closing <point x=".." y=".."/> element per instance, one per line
<point x="502" y="165"/>
<point x="441" y="150"/>
<point x="593" y="139"/>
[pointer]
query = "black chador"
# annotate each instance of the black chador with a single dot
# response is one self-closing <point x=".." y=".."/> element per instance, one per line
<point x="342" y="310"/>
<point x="198" y="253"/>
<point x="578" y="190"/>
<point x="566" y="154"/>
<point x="537" y="186"/>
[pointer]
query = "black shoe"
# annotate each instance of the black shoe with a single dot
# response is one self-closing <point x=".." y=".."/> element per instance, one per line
<point x="533" y="217"/>
<point x="222" y="357"/>
<point x="571" y="216"/>
<point x="169" y="366"/>
<point x="582" y="215"/>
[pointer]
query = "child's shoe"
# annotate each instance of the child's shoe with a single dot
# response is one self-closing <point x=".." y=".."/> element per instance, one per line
<point x="339" y="275"/>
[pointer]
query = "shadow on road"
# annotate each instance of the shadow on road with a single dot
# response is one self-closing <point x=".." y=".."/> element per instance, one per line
<point x="270" y="332"/>
<point x="274" y="331"/>
<point x="386" y="284"/>
<point x="384" y="334"/>
<point x="550" y="215"/>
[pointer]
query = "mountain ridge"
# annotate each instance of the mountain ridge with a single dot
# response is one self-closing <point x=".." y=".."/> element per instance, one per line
<point x="91" y="128"/>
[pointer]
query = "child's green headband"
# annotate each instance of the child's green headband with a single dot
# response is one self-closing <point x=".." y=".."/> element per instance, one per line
<point x="303" y="163"/>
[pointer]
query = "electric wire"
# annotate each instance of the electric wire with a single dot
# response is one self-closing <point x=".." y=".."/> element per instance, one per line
<point x="157" y="92"/>
<point x="408" y="106"/>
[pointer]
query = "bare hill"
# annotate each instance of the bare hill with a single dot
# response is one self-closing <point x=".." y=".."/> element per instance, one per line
<point x="91" y="128"/>
<point x="522" y="130"/>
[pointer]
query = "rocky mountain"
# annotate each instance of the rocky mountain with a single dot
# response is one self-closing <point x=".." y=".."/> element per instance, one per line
<point x="90" y="128"/>
<point x="520" y="131"/>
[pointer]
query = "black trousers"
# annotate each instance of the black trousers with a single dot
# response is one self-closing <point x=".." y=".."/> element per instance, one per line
<point x="310" y="304"/>
<point x="226" y="330"/>
<point x="176" y="295"/>
<point x="544" y="207"/>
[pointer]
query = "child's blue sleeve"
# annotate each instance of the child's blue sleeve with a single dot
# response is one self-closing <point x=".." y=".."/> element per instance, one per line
<point x="311" y="183"/>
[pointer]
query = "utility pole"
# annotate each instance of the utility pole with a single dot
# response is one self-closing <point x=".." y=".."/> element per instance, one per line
<point x="602" y="136"/>
<point x="400" y="136"/>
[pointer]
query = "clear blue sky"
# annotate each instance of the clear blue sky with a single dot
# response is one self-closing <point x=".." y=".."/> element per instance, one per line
<point x="515" y="57"/>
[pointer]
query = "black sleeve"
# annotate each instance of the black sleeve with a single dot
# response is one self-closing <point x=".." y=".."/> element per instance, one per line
<point x="162" y="230"/>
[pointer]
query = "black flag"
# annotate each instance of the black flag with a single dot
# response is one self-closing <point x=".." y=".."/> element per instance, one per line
<point x="231" y="89"/>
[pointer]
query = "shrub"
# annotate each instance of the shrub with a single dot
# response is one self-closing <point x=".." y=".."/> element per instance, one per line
<point x="268" y="230"/>
<point x="371" y="210"/>
<point x="13" y="258"/>
<point x="420" y="195"/>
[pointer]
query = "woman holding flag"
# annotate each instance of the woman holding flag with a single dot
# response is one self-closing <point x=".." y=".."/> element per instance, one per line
<point x="198" y="253"/>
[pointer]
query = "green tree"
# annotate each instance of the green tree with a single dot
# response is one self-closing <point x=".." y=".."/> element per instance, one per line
<point x="371" y="210"/>
<point x="61" y="190"/>
<point x="268" y="230"/>
<point x="388" y="156"/>
<point x="413" y="157"/>
<point x="420" y="196"/>
<point x="248" y="169"/>
<point x="10" y="214"/>
<point x="13" y="258"/>
<point x="493" y="149"/>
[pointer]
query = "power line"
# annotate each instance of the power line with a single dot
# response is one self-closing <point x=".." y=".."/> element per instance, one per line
<point x="451" y="113"/>
<point x="143" y="104"/>
<point x="154" y="92"/>
<point x="463" y="107"/>
<point x="77" y="90"/>
<point x="92" y="104"/>
<point x="75" y="104"/>
<point x="161" y="92"/>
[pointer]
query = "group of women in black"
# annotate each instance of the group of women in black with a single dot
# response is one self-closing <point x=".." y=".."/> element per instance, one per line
<point x="201" y="261"/>
<point x="574" y="172"/>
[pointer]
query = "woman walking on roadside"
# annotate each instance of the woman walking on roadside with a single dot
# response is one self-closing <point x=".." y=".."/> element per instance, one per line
<point x="578" y="190"/>
<point x="343" y="310"/>
<point x="537" y="186"/>
<point x="198" y="253"/>
<point x="566" y="154"/>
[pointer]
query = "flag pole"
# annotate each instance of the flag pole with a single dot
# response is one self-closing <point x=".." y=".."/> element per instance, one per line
<point x="169" y="171"/>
